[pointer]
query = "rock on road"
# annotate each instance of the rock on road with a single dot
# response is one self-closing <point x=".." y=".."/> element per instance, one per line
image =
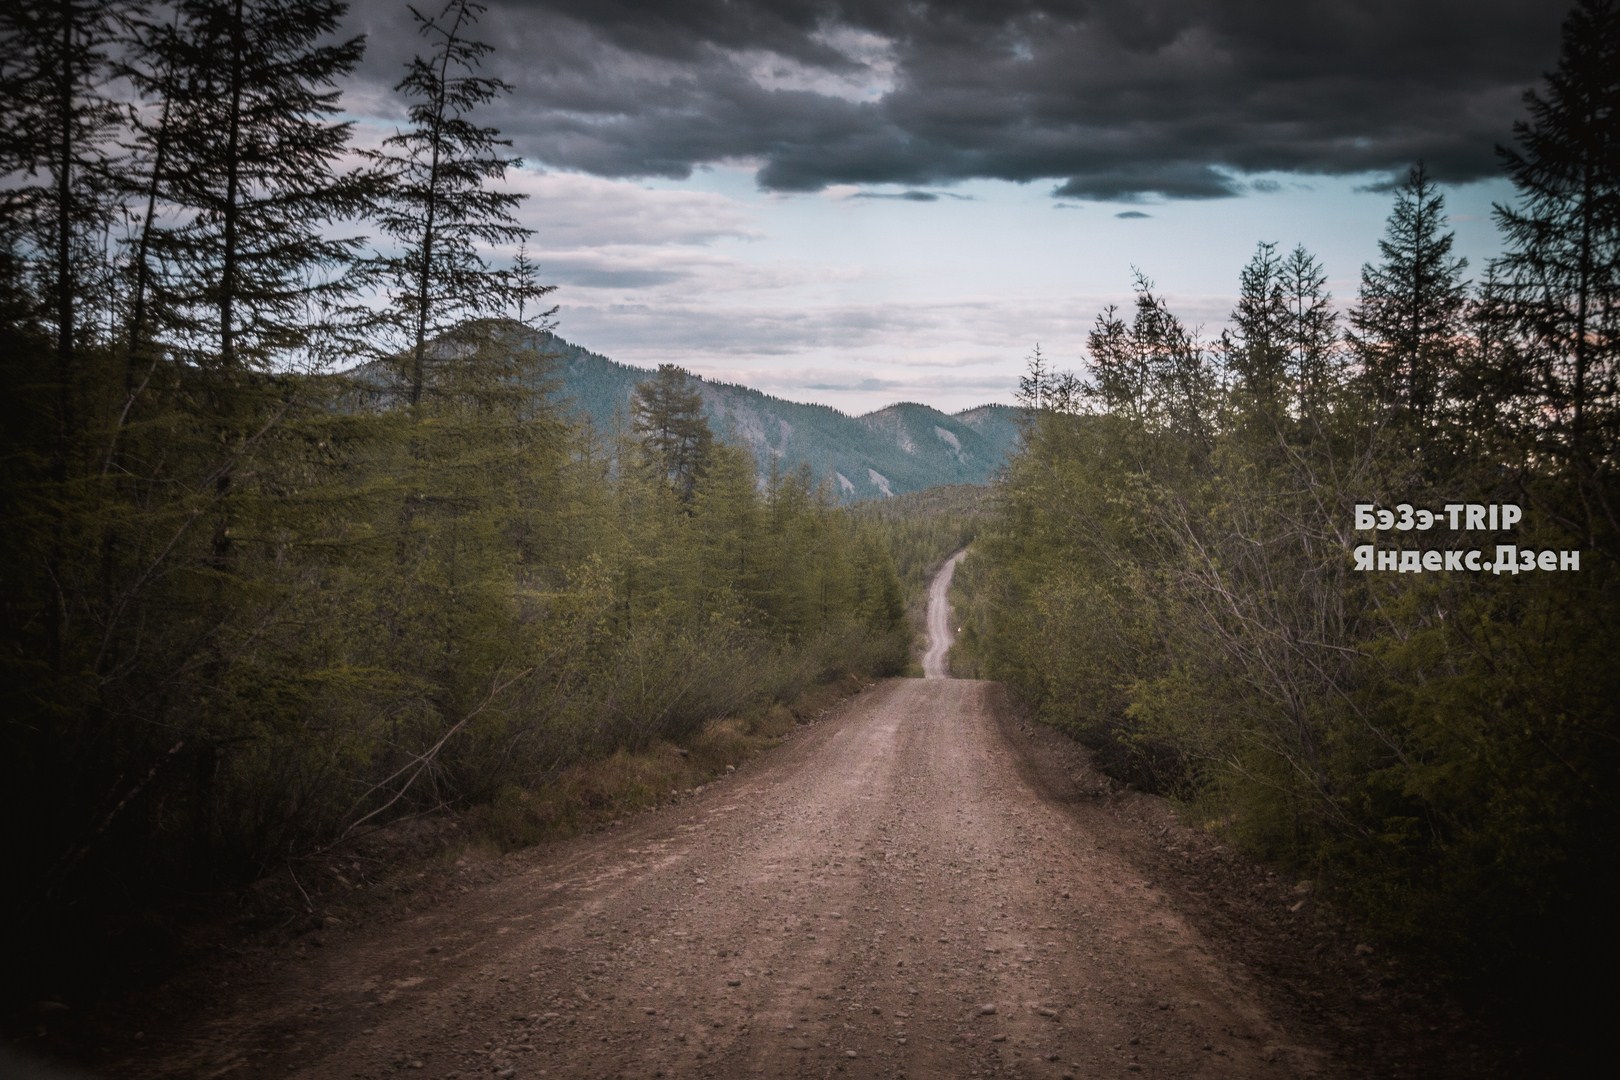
<point x="885" y="895"/>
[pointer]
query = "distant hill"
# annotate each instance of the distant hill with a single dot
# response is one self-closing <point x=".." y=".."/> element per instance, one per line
<point x="905" y="447"/>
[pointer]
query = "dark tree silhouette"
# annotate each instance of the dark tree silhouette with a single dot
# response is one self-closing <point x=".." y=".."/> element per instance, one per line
<point x="1407" y="323"/>
<point x="1561" y="288"/>
<point x="443" y="208"/>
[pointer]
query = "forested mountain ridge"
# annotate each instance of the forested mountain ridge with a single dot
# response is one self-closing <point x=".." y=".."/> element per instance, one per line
<point x="901" y="448"/>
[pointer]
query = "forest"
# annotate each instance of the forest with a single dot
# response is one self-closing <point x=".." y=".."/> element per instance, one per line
<point x="1245" y="570"/>
<point x="298" y="540"/>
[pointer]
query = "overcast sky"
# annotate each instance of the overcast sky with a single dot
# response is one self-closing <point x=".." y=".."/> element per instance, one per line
<point x="869" y="201"/>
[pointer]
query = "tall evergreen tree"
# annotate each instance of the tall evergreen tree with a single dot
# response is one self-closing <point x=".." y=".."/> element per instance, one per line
<point x="443" y="208"/>
<point x="59" y="152"/>
<point x="1407" y="325"/>
<point x="251" y="178"/>
<point x="1314" y="362"/>
<point x="59" y="168"/>
<point x="1119" y="380"/>
<point x="1035" y="384"/>
<point x="1257" y="353"/>
<point x="1562" y="267"/>
<point x="667" y="412"/>
<point x="1182" y="381"/>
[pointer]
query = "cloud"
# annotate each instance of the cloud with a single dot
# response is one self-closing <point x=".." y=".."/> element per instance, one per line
<point x="618" y="269"/>
<point x="1172" y="99"/>
<point x="842" y="381"/>
<point x="569" y="210"/>
<point x="904" y="196"/>
<point x="912" y="195"/>
<point x="1131" y="214"/>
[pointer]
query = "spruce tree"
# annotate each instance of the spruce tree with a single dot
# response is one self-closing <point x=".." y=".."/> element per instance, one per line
<point x="1562" y="268"/>
<point x="1257" y="353"/>
<point x="1406" y="326"/>
<point x="251" y="179"/>
<point x="443" y="208"/>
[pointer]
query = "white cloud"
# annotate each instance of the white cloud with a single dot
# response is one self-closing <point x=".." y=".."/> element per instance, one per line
<point x="571" y="211"/>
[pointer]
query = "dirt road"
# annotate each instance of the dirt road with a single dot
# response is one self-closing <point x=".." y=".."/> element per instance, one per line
<point x="888" y="894"/>
<point x="940" y="634"/>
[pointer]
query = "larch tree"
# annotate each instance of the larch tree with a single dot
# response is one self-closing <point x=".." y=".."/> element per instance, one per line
<point x="59" y="177"/>
<point x="1118" y="383"/>
<point x="1314" y="363"/>
<point x="667" y="414"/>
<point x="250" y="178"/>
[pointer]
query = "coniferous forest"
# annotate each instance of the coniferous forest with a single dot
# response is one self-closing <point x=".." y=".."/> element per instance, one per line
<point x="1210" y="561"/>
<point x="297" y="539"/>
<point x="300" y="540"/>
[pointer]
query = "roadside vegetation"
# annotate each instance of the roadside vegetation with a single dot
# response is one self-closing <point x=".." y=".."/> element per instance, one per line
<point x="1171" y="571"/>
<point x="297" y="541"/>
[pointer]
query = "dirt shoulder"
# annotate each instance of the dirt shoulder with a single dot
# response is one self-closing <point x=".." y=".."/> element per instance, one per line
<point x="1373" y="1017"/>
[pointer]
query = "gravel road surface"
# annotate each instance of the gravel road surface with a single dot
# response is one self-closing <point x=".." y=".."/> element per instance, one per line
<point x="888" y="894"/>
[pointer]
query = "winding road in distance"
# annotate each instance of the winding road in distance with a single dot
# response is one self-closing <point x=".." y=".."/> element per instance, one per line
<point x="890" y="893"/>
<point x="940" y="635"/>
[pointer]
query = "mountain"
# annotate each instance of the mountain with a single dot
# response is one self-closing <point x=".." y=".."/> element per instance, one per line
<point x="905" y="447"/>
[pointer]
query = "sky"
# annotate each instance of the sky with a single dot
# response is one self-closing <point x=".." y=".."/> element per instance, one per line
<point x="858" y="202"/>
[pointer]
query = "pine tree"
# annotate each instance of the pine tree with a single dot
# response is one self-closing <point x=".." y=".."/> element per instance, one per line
<point x="1407" y="325"/>
<point x="1562" y="267"/>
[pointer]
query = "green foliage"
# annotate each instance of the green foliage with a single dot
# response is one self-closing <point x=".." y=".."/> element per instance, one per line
<point x="1169" y="572"/>
<point x="441" y="200"/>
<point x="252" y="606"/>
<point x="921" y="529"/>
<point x="668" y="416"/>
<point x="1406" y="325"/>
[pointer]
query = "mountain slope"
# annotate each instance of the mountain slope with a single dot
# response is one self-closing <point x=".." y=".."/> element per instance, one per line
<point x="905" y="447"/>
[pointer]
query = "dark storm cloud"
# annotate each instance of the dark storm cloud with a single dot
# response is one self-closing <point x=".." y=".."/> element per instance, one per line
<point x="1175" y="99"/>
